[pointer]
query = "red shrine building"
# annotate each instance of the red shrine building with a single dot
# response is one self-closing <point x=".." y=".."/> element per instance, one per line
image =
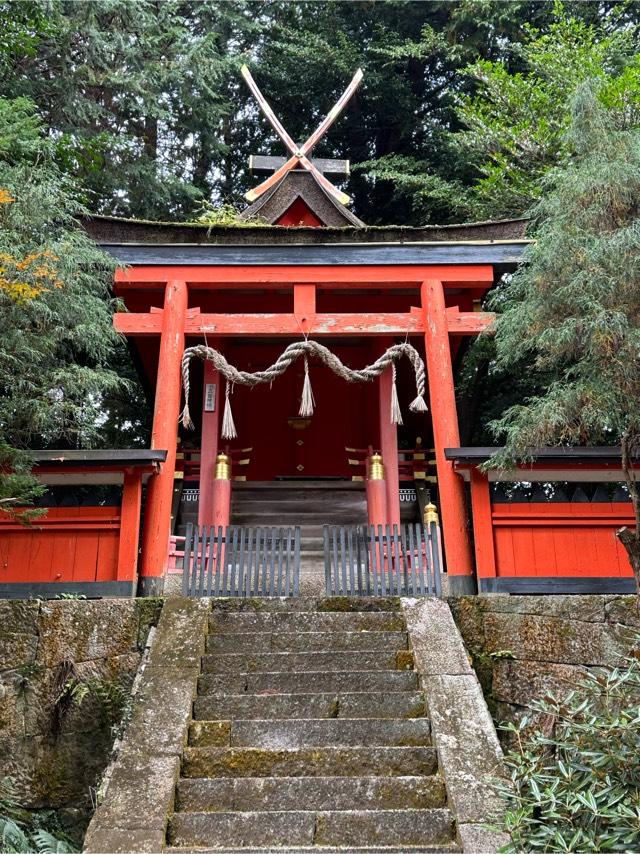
<point x="303" y="268"/>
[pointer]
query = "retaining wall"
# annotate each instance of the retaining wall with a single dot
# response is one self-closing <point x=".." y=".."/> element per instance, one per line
<point x="54" y="746"/>
<point x="525" y="646"/>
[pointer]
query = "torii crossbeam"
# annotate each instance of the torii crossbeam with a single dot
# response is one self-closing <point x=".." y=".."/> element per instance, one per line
<point x="299" y="153"/>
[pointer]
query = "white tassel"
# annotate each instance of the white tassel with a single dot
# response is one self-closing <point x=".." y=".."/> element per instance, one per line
<point x="307" y="402"/>
<point x="228" y="427"/>
<point x="418" y="405"/>
<point x="185" y="417"/>
<point x="396" y="414"/>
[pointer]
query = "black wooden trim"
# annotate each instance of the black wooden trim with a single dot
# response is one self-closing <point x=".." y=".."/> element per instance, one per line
<point x="505" y="254"/>
<point x="49" y="590"/>
<point x="591" y="454"/>
<point x="563" y="585"/>
<point x="131" y="457"/>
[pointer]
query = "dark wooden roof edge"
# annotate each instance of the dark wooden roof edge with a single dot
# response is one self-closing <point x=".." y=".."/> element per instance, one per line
<point x="590" y="454"/>
<point x="109" y="229"/>
<point x="131" y="457"/>
<point x="502" y="254"/>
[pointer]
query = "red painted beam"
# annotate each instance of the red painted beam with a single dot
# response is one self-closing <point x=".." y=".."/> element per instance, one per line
<point x="388" y="323"/>
<point x="352" y="276"/>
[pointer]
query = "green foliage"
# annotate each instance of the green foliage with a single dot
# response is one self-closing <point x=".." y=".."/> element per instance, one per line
<point x="575" y="779"/>
<point x="572" y="312"/>
<point x="225" y="214"/>
<point x="57" y="343"/>
<point x="510" y="110"/>
<point x="21" y="832"/>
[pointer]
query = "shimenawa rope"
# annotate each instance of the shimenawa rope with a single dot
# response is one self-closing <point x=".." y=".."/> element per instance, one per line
<point x="287" y="357"/>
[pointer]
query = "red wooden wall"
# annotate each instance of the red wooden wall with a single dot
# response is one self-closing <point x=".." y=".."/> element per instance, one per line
<point x="560" y="539"/>
<point x="68" y="544"/>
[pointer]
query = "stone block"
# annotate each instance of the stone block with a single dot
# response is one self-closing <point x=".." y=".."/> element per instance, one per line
<point x="111" y="840"/>
<point x="478" y="839"/>
<point x="161" y="710"/>
<point x="140" y="793"/>
<point x="180" y="636"/>
<point x="520" y="682"/>
<point x="435" y="641"/>
<point x="18" y="617"/>
<point x="623" y="609"/>
<point x="468" y="747"/>
<point x="17" y="650"/>
<point x="86" y="630"/>
<point x="564" y="641"/>
<point x="587" y="609"/>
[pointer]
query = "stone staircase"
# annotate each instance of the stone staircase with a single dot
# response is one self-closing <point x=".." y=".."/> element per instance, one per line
<point x="309" y="731"/>
<point x="303" y="725"/>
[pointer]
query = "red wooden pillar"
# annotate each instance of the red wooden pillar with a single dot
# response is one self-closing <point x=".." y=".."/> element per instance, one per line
<point x="389" y="443"/>
<point x="157" y="520"/>
<point x="446" y="435"/>
<point x="211" y="400"/>
<point x="482" y="525"/>
<point x="376" y="491"/>
<point x="129" y="527"/>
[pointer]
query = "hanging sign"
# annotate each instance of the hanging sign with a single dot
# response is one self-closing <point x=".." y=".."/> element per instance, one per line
<point x="210" y="397"/>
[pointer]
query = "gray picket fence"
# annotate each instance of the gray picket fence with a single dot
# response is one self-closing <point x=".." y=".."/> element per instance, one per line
<point x="363" y="560"/>
<point x="241" y="561"/>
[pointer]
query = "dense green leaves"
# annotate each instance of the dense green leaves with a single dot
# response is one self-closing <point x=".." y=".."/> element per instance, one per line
<point x="575" y="774"/>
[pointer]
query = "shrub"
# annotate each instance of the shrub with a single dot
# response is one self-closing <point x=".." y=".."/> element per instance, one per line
<point x="22" y="832"/>
<point x="575" y="779"/>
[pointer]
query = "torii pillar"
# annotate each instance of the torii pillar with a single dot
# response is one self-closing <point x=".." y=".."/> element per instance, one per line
<point x="164" y="434"/>
<point x="446" y="435"/>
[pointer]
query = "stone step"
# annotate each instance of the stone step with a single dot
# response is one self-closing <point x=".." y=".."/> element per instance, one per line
<point x="307" y="622"/>
<point x="444" y="848"/>
<point x="307" y="683"/>
<point x="312" y="604"/>
<point x="317" y="828"/>
<point x="408" y="704"/>
<point x="312" y="761"/>
<point x="295" y="734"/>
<point x="310" y="641"/>
<point x="298" y="662"/>
<point x="228" y="794"/>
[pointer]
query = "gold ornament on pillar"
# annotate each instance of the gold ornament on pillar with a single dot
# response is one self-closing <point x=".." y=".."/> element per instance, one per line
<point x="223" y="467"/>
<point x="376" y="467"/>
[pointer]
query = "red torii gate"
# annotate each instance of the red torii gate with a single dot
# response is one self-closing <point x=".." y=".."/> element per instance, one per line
<point x="175" y="321"/>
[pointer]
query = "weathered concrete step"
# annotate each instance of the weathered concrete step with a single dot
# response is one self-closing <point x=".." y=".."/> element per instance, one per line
<point x="320" y="828"/>
<point x="450" y="848"/>
<point x="399" y="704"/>
<point x="295" y="734"/>
<point x="230" y="794"/>
<point x="309" y="642"/>
<point x="305" y="762"/>
<point x="307" y="683"/>
<point x="307" y="622"/>
<point x="296" y="662"/>
<point x="321" y="604"/>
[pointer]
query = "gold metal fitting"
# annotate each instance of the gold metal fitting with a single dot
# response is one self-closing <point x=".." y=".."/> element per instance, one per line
<point x="376" y="468"/>
<point x="223" y="467"/>
<point x="431" y="514"/>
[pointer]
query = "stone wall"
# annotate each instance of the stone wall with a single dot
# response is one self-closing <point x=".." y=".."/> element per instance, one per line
<point x="525" y="646"/>
<point x="55" y="743"/>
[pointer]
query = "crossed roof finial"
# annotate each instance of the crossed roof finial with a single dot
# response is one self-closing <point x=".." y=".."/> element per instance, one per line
<point x="299" y="152"/>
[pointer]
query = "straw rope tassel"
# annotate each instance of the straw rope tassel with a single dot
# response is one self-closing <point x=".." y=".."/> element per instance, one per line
<point x="228" y="427"/>
<point x="396" y="414"/>
<point x="307" y="401"/>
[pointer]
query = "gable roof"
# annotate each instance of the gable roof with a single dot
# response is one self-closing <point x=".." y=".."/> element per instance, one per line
<point x="300" y="184"/>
